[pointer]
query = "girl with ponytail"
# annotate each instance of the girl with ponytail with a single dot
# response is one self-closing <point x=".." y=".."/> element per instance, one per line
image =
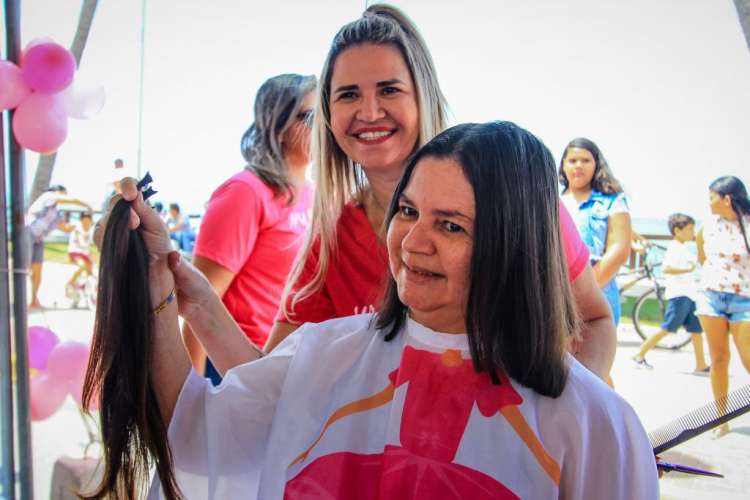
<point x="724" y="306"/>
<point x="379" y="100"/>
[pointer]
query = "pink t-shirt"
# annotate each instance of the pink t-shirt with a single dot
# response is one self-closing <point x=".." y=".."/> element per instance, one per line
<point x="256" y="236"/>
<point x="357" y="272"/>
<point x="576" y="251"/>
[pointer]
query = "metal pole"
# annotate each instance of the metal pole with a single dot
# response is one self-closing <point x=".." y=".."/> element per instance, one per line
<point x="7" y="460"/>
<point x="20" y="265"/>
<point x="140" y="93"/>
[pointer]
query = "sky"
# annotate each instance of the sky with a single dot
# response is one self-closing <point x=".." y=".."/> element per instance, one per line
<point x="661" y="87"/>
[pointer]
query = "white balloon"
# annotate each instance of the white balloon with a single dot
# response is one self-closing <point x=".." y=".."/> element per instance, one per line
<point x="83" y="103"/>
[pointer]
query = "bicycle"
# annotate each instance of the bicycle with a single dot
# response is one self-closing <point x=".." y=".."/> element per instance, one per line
<point x="649" y="307"/>
<point x="87" y="292"/>
<point x="82" y="293"/>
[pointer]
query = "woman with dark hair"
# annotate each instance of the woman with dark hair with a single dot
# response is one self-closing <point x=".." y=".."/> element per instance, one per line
<point x="724" y="305"/>
<point x="461" y="387"/>
<point x="255" y="221"/>
<point x="597" y="203"/>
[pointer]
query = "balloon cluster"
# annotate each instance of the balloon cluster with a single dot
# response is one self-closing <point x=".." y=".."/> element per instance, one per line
<point x="57" y="369"/>
<point x="41" y="92"/>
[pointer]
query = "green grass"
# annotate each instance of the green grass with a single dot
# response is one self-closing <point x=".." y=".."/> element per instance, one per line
<point x="650" y="313"/>
<point x="58" y="252"/>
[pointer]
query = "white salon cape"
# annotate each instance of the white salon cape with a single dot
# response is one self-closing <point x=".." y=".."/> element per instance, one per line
<point x="335" y="412"/>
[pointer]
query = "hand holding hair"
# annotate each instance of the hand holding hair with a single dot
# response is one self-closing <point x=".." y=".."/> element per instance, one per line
<point x="197" y="302"/>
<point x="166" y="269"/>
<point x="137" y="364"/>
<point x="153" y="228"/>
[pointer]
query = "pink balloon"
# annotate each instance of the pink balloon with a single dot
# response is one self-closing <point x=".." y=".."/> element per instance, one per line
<point x="83" y="103"/>
<point x="48" y="67"/>
<point x="13" y="89"/>
<point x="40" y="123"/>
<point x="36" y="41"/>
<point x="47" y="396"/>
<point x="41" y="342"/>
<point x="76" y="390"/>
<point x="68" y="361"/>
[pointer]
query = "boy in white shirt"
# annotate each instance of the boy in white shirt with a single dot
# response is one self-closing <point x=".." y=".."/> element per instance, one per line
<point x="681" y="287"/>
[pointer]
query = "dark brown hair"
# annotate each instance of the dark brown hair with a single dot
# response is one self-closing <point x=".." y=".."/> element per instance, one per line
<point x="519" y="311"/>
<point x="733" y="187"/>
<point x="679" y="221"/>
<point x="604" y="180"/>
<point x="118" y="374"/>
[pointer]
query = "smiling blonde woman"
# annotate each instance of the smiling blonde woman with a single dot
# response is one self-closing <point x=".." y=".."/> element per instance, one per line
<point x="378" y="101"/>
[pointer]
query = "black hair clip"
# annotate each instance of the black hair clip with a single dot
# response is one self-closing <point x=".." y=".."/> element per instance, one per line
<point x="144" y="186"/>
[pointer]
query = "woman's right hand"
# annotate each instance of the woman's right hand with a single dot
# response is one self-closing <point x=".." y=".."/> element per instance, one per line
<point x="167" y="268"/>
<point x="153" y="228"/>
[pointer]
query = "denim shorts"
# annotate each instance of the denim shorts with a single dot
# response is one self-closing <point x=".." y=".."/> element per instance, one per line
<point x="731" y="306"/>
<point x="681" y="312"/>
<point x="612" y="294"/>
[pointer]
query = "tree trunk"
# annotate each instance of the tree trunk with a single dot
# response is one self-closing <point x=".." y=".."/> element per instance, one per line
<point x="43" y="173"/>
<point x="743" y="12"/>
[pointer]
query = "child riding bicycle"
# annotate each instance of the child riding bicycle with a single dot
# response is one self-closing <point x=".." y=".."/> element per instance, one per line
<point x="79" y="253"/>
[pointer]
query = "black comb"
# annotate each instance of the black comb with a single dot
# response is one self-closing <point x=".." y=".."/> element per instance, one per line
<point x="701" y="420"/>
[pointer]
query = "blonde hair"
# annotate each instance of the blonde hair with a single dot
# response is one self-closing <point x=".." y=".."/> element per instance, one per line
<point x="339" y="180"/>
<point x="276" y="106"/>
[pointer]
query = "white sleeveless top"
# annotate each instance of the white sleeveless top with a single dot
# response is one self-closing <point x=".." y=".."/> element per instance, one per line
<point x="727" y="265"/>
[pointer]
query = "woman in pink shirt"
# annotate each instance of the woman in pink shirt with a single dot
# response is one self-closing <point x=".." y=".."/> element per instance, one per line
<point x="254" y="222"/>
<point x="379" y="100"/>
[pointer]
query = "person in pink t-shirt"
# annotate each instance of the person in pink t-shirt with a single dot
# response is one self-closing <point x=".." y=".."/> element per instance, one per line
<point x="379" y="100"/>
<point x="255" y="221"/>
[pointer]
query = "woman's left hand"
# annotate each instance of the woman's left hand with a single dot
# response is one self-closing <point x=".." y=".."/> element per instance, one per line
<point x="193" y="289"/>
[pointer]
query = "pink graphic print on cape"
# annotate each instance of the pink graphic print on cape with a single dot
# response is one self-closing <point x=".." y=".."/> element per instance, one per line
<point x="442" y="390"/>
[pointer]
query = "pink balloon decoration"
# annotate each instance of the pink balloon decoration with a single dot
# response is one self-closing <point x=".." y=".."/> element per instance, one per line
<point x="76" y="390"/>
<point x="47" y="396"/>
<point x="36" y="41"/>
<point x="13" y="89"/>
<point x="41" y="342"/>
<point x="83" y="103"/>
<point x="40" y="123"/>
<point x="48" y="67"/>
<point x="67" y="362"/>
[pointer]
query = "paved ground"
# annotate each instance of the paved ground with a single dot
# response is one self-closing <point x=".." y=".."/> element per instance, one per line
<point x="670" y="391"/>
<point x="658" y="396"/>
